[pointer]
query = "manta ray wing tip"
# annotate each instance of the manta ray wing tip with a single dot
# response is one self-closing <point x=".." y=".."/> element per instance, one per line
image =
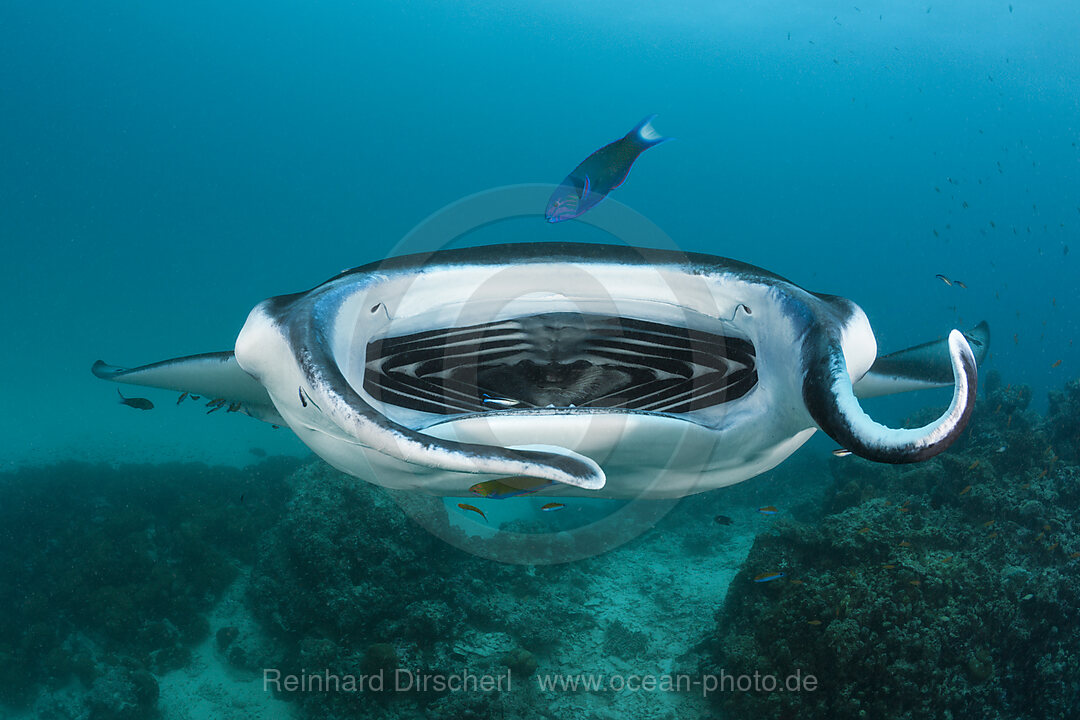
<point x="105" y="371"/>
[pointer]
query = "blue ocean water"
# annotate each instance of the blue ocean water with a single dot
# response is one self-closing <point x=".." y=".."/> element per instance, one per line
<point x="168" y="166"/>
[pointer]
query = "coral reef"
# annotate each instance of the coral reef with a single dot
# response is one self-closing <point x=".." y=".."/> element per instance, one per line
<point x="347" y="583"/>
<point x="123" y="693"/>
<point x="623" y="642"/>
<point x="949" y="588"/>
<point x="520" y="662"/>
<point x="109" y="572"/>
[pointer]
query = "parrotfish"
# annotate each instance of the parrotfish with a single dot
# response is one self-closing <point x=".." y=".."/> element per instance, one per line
<point x="509" y="487"/>
<point x="600" y="173"/>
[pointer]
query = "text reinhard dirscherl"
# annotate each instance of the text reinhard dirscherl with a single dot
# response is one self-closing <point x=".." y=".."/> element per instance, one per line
<point x="401" y="680"/>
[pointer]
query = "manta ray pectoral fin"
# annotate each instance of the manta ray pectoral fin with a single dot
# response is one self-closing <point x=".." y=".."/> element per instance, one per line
<point x="831" y="401"/>
<point x="923" y="366"/>
<point x="212" y="375"/>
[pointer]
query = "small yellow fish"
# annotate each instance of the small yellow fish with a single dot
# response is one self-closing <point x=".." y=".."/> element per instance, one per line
<point x="768" y="510"/>
<point x="965" y="491"/>
<point x="796" y="582"/>
<point x="992" y="535"/>
<point x="841" y="452"/>
<point x="1074" y="555"/>
<point x="916" y="583"/>
<point x="1056" y="364"/>
<point x="973" y="465"/>
<point x="863" y="531"/>
<point x="1046" y="528"/>
<point x="960" y="284"/>
<point x="947" y="558"/>
<point x="813" y="622"/>
<point x="1040" y="536"/>
<point x="1025" y="486"/>
<point x="887" y="567"/>
<point x="1052" y="547"/>
<point x="473" y="508"/>
<point x="988" y="523"/>
<point x="552" y="507"/>
<point x="905" y="543"/>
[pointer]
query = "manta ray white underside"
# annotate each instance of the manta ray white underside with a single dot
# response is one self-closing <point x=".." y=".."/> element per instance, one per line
<point x="602" y="371"/>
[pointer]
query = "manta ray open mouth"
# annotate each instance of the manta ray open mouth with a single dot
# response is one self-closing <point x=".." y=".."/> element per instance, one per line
<point x="560" y="359"/>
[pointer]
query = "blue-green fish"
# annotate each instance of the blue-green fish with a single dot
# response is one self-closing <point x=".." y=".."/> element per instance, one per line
<point x="600" y="173"/>
<point x="768" y="577"/>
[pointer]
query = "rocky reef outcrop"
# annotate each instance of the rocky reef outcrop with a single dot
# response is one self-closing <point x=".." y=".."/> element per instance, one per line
<point x="944" y="589"/>
<point x="347" y="583"/>
<point x="108" y="573"/>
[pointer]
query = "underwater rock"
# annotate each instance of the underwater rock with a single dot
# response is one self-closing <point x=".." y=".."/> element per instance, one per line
<point x="225" y="636"/>
<point x="170" y="646"/>
<point x="120" y="561"/>
<point x="948" y="588"/>
<point x="980" y="665"/>
<point x="123" y="694"/>
<point x="521" y="662"/>
<point x="1063" y="424"/>
<point x="346" y="582"/>
<point x="333" y="567"/>
<point x="380" y="658"/>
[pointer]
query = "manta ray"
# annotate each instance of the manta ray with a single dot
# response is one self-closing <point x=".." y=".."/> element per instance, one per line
<point x="592" y="370"/>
